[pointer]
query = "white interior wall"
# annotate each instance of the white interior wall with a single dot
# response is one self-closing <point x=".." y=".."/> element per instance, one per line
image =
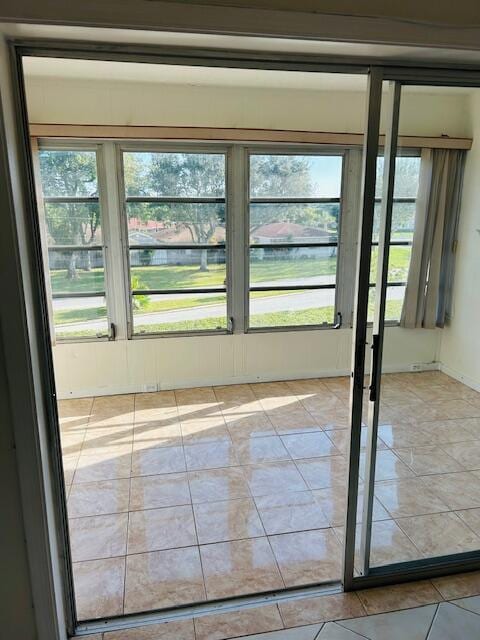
<point x="146" y="364"/>
<point x="460" y="346"/>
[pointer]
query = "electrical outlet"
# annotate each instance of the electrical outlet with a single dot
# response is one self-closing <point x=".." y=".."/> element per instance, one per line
<point x="150" y="387"/>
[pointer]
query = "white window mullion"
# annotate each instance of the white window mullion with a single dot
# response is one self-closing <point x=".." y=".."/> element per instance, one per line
<point x="347" y="251"/>
<point x="118" y="304"/>
<point x="238" y="238"/>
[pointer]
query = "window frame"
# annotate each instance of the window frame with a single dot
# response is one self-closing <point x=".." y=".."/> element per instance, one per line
<point x="175" y="147"/>
<point x="73" y="144"/>
<point x="295" y="150"/>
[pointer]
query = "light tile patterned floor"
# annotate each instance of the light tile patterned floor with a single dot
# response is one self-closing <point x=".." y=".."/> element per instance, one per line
<point x="182" y="496"/>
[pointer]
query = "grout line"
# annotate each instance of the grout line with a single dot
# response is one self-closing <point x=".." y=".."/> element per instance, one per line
<point x="431" y="624"/>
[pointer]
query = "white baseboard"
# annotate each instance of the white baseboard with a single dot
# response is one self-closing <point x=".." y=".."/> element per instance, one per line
<point x="215" y="382"/>
<point x="457" y="375"/>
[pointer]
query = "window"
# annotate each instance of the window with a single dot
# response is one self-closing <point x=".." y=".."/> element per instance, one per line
<point x="74" y="236"/>
<point x="294" y="220"/>
<point x="176" y="214"/>
<point x="407" y="175"/>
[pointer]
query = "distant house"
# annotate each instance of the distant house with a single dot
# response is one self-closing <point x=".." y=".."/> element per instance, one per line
<point x="284" y="232"/>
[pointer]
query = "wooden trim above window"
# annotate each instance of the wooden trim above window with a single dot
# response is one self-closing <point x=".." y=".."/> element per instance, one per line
<point x="38" y="130"/>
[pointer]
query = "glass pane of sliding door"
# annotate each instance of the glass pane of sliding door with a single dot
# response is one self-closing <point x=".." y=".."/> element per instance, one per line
<point x="419" y="482"/>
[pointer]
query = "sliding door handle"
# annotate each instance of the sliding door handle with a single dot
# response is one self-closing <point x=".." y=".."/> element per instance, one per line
<point x="375" y="367"/>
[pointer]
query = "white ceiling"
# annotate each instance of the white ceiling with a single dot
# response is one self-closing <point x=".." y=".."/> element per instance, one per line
<point x="193" y="76"/>
<point x="99" y="70"/>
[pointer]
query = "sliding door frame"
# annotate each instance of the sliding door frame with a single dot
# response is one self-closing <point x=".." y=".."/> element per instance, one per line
<point x="414" y="569"/>
<point x="454" y="75"/>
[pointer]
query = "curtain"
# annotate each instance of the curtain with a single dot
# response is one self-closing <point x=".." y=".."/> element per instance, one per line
<point x="430" y="278"/>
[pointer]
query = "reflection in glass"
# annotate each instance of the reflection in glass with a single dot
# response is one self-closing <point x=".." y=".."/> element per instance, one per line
<point x="293" y="266"/>
<point x="407" y="176"/>
<point x="176" y="223"/>
<point x="299" y="223"/>
<point x="403" y="221"/>
<point x="179" y="312"/>
<point x="176" y="175"/>
<point x="398" y="264"/>
<point x="292" y="308"/>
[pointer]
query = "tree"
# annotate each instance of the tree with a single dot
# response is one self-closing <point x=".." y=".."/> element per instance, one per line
<point x="71" y="174"/>
<point x="179" y="175"/>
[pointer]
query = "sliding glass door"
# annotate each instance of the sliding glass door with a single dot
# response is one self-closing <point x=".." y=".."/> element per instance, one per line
<point x="413" y="494"/>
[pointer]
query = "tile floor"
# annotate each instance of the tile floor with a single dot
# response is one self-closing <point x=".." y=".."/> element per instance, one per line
<point x="443" y="609"/>
<point x="181" y="496"/>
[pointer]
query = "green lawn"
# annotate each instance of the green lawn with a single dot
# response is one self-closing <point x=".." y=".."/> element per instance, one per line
<point x="182" y="276"/>
<point x="176" y="277"/>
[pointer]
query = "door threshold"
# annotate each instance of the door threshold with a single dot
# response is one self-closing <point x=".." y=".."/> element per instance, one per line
<point x="225" y="605"/>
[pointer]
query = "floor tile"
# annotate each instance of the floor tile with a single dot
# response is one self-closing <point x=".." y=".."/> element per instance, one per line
<point x="69" y="466"/>
<point x="456" y="490"/>
<point x="227" y="520"/>
<point x="99" y="587"/>
<point x="333" y="631"/>
<point x="261" y="449"/>
<point x="408" y="497"/>
<point x="453" y="622"/>
<point x="157" y="529"/>
<point x="320" y="473"/>
<point x="300" y="633"/>
<point x="413" y="624"/>
<point x="97" y="498"/>
<point x="460" y="585"/>
<point x="341" y="440"/>
<point x="333" y="500"/>
<point x="289" y="512"/>
<point x="210" y="455"/>
<point x="398" y="596"/>
<point x="96" y="537"/>
<point x="471" y="517"/>
<point x="106" y="466"/>
<point x="387" y="466"/>
<point x="274" y="477"/>
<point x="239" y="567"/>
<point x="309" y="445"/>
<point x="149" y="462"/>
<point x="218" y="484"/>
<point x="118" y="439"/>
<point x="151" y="434"/>
<point x="389" y="544"/>
<point x="399" y="436"/>
<point x="151" y="492"/>
<point x="428" y="460"/>
<point x="439" y="534"/>
<point x="471" y="604"/>
<point x="321" y="609"/>
<point x="466" y="453"/>
<point x="243" y="426"/>
<point x="307" y="557"/>
<point x="163" y="579"/>
<point x="238" y="623"/>
<point x="174" y="630"/>
<point x="446" y="432"/>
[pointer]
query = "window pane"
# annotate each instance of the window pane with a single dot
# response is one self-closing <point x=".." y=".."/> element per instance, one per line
<point x="295" y="266"/>
<point x="270" y="223"/>
<point x="179" y="175"/>
<point x="73" y="223"/>
<point x="398" y="264"/>
<point x="394" y="304"/>
<point x="291" y="308"/>
<point x="295" y="176"/>
<point x="77" y="271"/>
<point x="403" y="221"/>
<point x="80" y="317"/>
<point x="179" y="312"/>
<point x="178" y="223"/>
<point x="407" y="175"/>
<point x="177" y="268"/>
<point x="68" y="173"/>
